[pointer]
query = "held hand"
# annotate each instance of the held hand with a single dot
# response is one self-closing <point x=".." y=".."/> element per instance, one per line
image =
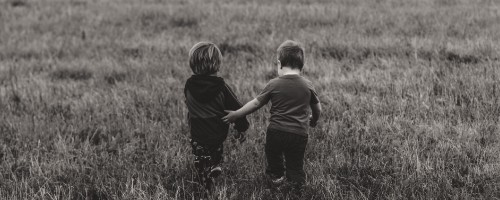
<point x="231" y="117"/>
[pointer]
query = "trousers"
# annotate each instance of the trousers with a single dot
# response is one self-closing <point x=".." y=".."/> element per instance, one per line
<point x="206" y="157"/>
<point x="289" y="146"/>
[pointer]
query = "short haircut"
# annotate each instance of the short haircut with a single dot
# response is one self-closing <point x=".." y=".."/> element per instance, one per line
<point x="205" y="58"/>
<point x="291" y="54"/>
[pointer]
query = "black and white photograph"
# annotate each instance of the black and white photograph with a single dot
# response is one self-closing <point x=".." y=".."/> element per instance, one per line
<point x="249" y="99"/>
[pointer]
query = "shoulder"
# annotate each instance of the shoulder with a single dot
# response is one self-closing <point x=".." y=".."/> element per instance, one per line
<point x="272" y="82"/>
<point x="305" y="79"/>
<point x="307" y="82"/>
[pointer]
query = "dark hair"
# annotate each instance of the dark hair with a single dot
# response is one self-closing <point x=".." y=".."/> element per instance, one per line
<point x="291" y="54"/>
<point x="205" y="58"/>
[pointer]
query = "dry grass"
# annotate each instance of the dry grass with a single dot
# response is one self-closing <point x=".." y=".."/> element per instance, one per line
<point x="91" y="101"/>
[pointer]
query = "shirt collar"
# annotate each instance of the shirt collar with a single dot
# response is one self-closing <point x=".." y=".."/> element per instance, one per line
<point x="290" y="76"/>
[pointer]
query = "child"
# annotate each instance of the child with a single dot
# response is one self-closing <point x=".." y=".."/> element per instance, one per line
<point x="207" y="96"/>
<point x="291" y="95"/>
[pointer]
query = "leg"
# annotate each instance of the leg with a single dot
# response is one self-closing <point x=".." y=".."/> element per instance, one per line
<point x="216" y="160"/>
<point x="202" y="163"/>
<point x="216" y="152"/>
<point x="294" y="158"/>
<point x="274" y="155"/>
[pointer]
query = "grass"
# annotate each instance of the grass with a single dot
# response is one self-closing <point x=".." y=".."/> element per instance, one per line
<point x="91" y="101"/>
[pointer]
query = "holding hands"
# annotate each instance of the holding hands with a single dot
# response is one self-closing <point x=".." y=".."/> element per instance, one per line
<point x="231" y="116"/>
<point x="248" y="108"/>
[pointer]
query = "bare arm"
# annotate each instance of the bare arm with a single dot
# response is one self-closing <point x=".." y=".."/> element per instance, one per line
<point x="316" y="111"/>
<point x="248" y="108"/>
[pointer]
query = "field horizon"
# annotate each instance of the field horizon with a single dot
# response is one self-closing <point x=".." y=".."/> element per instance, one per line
<point x="92" y="104"/>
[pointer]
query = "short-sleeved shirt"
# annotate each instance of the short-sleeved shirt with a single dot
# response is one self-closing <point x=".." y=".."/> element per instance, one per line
<point x="291" y="96"/>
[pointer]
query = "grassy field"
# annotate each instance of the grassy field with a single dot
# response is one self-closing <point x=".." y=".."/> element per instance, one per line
<point x="92" y="105"/>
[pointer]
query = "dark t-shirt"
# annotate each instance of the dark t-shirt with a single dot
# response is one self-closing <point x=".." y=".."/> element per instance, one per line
<point x="291" y="96"/>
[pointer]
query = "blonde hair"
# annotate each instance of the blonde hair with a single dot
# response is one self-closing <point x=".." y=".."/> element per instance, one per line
<point x="291" y="54"/>
<point x="205" y="58"/>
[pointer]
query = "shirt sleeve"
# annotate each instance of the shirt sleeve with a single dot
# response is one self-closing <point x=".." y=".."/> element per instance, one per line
<point x="314" y="96"/>
<point x="265" y="94"/>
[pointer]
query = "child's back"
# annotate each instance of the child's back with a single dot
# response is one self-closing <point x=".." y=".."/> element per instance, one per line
<point x="291" y="96"/>
<point x="207" y="96"/>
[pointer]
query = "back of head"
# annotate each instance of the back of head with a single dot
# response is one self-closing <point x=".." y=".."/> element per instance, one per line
<point x="205" y="58"/>
<point x="291" y="54"/>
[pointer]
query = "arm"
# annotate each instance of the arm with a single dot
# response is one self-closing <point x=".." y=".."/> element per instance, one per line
<point x="251" y="106"/>
<point x="248" y="108"/>
<point x="316" y="111"/>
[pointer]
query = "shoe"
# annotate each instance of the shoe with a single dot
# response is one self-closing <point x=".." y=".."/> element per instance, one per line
<point x="215" y="172"/>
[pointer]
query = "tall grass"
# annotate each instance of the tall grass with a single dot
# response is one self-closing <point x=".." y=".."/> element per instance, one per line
<point x="92" y="106"/>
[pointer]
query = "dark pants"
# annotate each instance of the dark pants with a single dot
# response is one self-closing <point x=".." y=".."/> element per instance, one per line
<point x="292" y="146"/>
<point x="206" y="157"/>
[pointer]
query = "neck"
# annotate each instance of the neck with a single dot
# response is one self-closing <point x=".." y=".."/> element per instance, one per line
<point x="288" y="70"/>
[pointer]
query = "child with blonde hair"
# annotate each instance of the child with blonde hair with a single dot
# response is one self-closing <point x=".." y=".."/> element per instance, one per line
<point x="207" y="96"/>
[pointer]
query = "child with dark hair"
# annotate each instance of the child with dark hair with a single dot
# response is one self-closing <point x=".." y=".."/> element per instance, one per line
<point x="291" y="96"/>
<point x="207" y="96"/>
